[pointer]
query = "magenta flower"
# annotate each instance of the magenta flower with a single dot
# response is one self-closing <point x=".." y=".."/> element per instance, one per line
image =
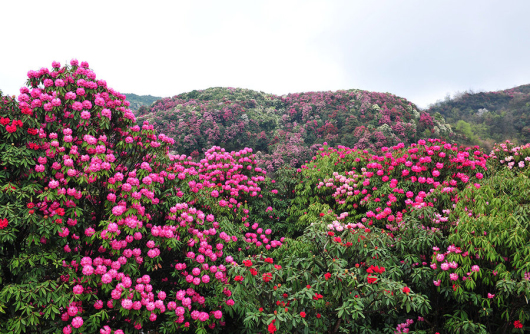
<point x="85" y="114"/>
<point x="118" y="210"/>
<point x="78" y="289"/>
<point x="77" y="322"/>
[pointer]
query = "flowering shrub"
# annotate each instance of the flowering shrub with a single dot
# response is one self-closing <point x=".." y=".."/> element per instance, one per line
<point x="486" y="261"/>
<point x="510" y="155"/>
<point x="371" y="223"/>
<point x="116" y="234"/>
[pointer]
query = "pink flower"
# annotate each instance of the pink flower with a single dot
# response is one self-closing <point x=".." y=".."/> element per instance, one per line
<point x="118" y="210"/>
<point x="490" y="296"/>
<point x="126" y="304"/>
<point x="85" y="114"/>
<point x="437" y="283"/>
<point x="453" y="276"/>
<point x="106" y="279"/>
<point x="107" y="113"/>
<point x="98" y="305"/>
<point x="78" y="289"/>
<point x="72" y="310"/>
<point x="77" y="322"/>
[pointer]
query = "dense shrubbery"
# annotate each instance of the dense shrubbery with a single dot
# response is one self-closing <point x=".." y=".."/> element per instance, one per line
<point x="103" y="230"/>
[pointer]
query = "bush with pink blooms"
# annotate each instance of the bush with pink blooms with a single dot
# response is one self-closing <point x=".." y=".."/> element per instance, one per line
<point x="107" y="231"/>
<point x="509" y="155"/>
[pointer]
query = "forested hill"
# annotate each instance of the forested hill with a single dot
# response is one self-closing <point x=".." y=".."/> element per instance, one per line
<point x="488" y="117"/>
<point x="140" y="100"/>
<point x="288" y="129"/>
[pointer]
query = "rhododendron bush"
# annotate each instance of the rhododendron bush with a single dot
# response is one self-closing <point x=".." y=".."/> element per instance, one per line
<point x="102" y="229"/>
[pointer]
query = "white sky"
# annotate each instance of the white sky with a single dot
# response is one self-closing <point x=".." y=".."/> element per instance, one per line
<point x="420" y="50"/>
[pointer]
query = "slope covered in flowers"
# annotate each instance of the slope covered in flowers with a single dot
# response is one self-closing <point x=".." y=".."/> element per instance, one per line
<point x="288" y="129"/>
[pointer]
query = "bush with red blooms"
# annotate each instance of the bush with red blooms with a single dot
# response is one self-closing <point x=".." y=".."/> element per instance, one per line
<point x="370" y="223"/>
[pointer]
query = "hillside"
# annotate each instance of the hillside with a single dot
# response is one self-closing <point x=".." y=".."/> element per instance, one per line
<point x="140" y="100"/>
<point x="289" y="128"/>
<point x="487" y="117"/>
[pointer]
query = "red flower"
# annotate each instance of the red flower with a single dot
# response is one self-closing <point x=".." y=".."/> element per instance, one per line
<point x="3" y="223"/>
<point x="318" y="315"/>
<point x="26" y="111"/>
<point x="406" y="290"/>
<point x="277" y="267"/>
<point x="302" y="314"/>
<point x="327" y="276"/>
<point x="11" y="128"/>
<point x="317" y="296"/>
<point x="337" y="239"/>
<point x="322" y="215"/>
<point x="60" y="211"/>
<point x="4" y="121"/>
<point x="238" y="278"/>
<point x="269" y="260"/>
<point x="267" y="277"/>
<point x="331" y="233"/>
<point x="253" y="271"/>
<point x="371" y="280"/>
<point x="272" y="328"/>
<point x="30" y="205"/>
<point x="247" y="263"/>
<point x="517" y="324"/>
<point x="379" y="270"/>
<point x="261" y="309"/>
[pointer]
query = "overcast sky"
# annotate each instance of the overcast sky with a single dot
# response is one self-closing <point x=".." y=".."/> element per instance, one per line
<point x="420" y="50"/>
